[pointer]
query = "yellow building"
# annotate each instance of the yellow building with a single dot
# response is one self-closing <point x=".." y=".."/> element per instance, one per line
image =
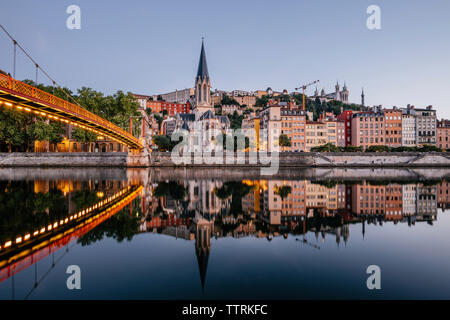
<point x="316" y="134"/>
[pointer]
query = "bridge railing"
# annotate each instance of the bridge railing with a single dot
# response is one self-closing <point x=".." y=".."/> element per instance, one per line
<point x="30" y="91"/>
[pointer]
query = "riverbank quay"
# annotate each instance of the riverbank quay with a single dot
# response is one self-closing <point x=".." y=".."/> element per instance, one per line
<point x="284" y="160"/>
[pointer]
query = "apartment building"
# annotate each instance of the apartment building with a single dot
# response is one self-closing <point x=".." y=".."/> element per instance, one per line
<point x="367" y="129"/>
<point x="270" y="128"/>
<point x="393" y="127"/>
<point x="346" y="117"/>
<point x="443" y="134"/>
<point x="315" y="134"/>
<point x="426" y="126"/>
<point x="335" y="131"/>
<point x="293" y="123"/>
<point x="248" y="100"/>
<point x="408" y="127"/>
<point x="170" y="107"/>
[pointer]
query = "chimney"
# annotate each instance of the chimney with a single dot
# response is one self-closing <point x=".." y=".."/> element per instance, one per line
<point x="429" y="107"/>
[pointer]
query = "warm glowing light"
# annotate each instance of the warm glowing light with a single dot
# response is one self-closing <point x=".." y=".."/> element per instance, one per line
<point x="8" y="104"/>
<point x="42" y="230"/>
<point x="8" y="244"/>
<point x="27" y="236"/>
<point x="35" y="233"/>
<point x="49" y="227"/>
<point x="27" y="109"/>
<point x="19" y="240"/>
<point x="55" y="224"/>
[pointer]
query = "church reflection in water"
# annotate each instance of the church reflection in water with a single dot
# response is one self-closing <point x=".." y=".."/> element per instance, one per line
<point x="196" y="210"/>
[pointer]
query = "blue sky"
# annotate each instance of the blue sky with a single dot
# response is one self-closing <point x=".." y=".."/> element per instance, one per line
<point x="152" y="47"/>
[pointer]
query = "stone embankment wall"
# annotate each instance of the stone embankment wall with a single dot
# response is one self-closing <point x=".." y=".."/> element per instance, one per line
<point x="306" y="160"/>
<point x="323" y="159"/>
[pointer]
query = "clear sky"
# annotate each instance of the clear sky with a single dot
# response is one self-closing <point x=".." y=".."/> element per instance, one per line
<point x="153" y="47"/>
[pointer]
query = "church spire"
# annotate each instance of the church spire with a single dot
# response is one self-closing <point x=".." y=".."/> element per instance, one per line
<point x="202" y="101"/>
<point x="202" y="71"/>
<point x="362" y="97"/>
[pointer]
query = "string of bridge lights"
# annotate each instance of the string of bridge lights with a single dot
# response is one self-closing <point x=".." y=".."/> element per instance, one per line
<point x="46" y="229"/>
<point x="60" y="119"/>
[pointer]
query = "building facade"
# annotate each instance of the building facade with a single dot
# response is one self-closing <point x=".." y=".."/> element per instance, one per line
<point x="443" y="134"/>
<point x="408" y="127"/>
<point x="367" y="129"/>
<point x="426" y="126"/>
<point x="393" y="127"/>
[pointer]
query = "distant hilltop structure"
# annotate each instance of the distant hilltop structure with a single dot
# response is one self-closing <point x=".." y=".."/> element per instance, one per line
<point x="338" y="94"/>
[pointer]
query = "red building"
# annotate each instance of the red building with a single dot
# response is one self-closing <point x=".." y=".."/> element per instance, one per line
<point x="346" y="116"/>
<point x="171" y="107"/>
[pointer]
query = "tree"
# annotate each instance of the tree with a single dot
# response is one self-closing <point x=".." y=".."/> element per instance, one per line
<point x="284" y="141"/>
<point x="163" y="142"/>
<point x="262" y="102"/>
<point x="235" y="120"/>
<point x="16" y="130"/>
<point x="328" y="147"/>
<point x="379" y="148"/>
<point x="52" y="132"/>
<point x="84" y="136"/>
<point x="158" y="119"/>
<point x="226" y="100"/>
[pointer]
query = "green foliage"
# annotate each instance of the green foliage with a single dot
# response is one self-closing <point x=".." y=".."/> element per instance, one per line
<point x="236" y="190"/>
<point x="262" y="102"/>
<point x="329" y="147"/>
<point x="52" y="132"/>
<point x="173" y="189"/>
<point x="16" y="130"/>
<point x="317" y="107"/>
<point x="284" y="141"/>
<point x="158" y="119"/>
<point x="19" y="130"/>
<point x="84" y="136"/>
<point x="352" y="149"/>
<point x="163" y="142"/>
<point x="235" y="120"/>
<point x="226" y="100"/>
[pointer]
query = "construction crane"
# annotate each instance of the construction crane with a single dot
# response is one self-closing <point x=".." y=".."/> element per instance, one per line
<point x="303" y="91"/>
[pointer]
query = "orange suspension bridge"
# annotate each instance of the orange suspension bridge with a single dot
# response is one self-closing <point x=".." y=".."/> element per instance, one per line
<point x="26" y="98"/>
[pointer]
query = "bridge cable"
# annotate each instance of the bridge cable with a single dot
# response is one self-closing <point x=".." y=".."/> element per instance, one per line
<point x="36" y="64"/>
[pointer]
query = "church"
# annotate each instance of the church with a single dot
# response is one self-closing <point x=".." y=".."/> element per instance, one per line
<point x="338" y="94"/>
<point x="203" y="116"/>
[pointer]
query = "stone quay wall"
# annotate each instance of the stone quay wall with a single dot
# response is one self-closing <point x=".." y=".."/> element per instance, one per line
<point x="160" y="159"/>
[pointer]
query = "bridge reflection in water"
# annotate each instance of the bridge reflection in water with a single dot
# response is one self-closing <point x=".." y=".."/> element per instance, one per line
<point x="29" y="249"/>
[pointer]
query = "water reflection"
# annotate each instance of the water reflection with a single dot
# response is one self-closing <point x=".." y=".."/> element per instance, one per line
<point x="39" y="217"/>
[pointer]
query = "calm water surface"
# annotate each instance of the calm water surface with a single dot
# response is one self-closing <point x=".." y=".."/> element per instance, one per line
<point x="143" y="236"/>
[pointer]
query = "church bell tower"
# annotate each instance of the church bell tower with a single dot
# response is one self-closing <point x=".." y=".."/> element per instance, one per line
<point x="202" y="101"/>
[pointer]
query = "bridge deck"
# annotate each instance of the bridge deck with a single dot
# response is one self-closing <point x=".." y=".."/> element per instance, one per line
<point x="27" y="98"/>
